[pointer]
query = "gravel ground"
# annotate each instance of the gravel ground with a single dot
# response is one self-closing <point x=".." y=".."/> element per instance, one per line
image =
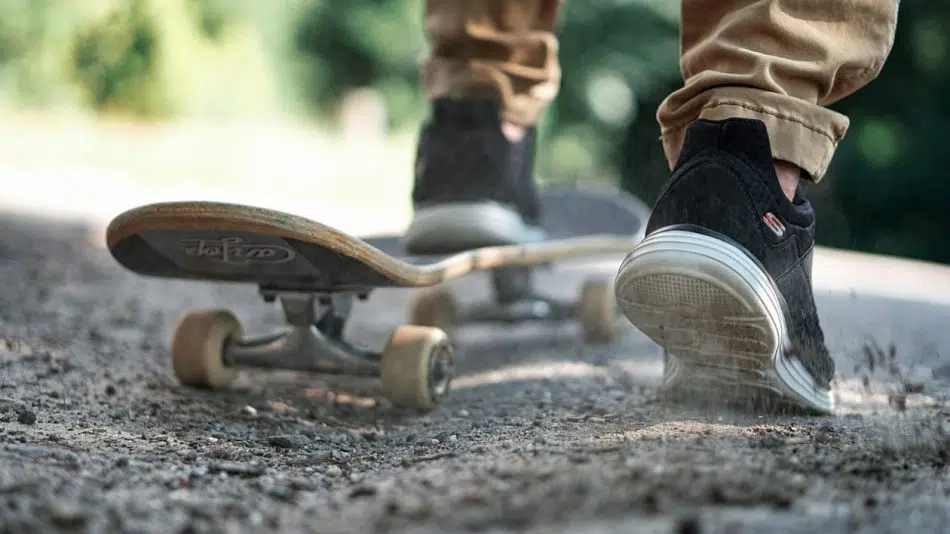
<point x="541" y="433"/>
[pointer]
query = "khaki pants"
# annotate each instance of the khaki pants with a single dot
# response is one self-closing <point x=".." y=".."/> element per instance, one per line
<point x="779" y="61"/>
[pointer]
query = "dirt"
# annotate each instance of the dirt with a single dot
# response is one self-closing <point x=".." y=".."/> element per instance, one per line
<point x="541" y="434"/>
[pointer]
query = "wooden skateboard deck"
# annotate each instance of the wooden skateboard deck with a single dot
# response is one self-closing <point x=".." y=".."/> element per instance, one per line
<point x="280" y="251"/>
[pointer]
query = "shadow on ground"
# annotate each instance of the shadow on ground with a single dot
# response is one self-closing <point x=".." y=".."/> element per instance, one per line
<point x="541" y="434"/>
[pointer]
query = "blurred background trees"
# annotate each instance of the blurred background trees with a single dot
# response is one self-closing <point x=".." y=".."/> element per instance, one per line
<point x="164" y="59"/>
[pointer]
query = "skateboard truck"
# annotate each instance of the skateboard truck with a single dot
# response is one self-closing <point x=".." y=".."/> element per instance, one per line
<point x="416" y="365"/>
<point x="516" y="300"/>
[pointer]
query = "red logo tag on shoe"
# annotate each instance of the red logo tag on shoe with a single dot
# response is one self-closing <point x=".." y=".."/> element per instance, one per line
<point x="774" y="224"/>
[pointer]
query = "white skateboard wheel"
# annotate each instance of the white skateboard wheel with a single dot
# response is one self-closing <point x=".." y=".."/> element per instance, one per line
<point x="417" y="366"/>
<point x="197" y="348"/>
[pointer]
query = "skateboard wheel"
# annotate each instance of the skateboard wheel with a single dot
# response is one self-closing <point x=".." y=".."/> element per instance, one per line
<point x="597" y="311"/>
<point x="198" y="348"/>
<point x="417" y="367"/>
<point x="434" y="307"/>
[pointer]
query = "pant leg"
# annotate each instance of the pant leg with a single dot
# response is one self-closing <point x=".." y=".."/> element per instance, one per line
<point x="500" y="48"/>
<point x="779" y="61"/>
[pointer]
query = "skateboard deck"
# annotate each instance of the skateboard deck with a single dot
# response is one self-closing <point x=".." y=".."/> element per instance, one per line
<point x="280" y="251"/>
<point x="316" y="271"/>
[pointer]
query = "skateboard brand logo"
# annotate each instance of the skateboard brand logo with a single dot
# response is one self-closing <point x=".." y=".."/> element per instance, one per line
<point x="235" y="250"/>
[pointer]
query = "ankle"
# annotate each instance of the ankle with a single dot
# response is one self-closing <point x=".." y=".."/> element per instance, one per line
<point x="789" y="177"/>
<point x="513" y="132"/>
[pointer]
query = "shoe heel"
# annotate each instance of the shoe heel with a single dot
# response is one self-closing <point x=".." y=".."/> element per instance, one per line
<point x="715" y="311"/>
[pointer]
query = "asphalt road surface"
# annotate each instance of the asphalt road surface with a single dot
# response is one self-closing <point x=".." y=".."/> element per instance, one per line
<point x="541" y="434"/>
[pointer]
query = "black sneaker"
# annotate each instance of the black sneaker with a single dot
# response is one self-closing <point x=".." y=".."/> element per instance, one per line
<point x="723" y="279"/>
<point x="473" y="186"/>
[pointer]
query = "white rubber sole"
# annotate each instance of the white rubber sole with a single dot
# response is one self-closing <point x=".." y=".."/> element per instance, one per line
<point x="467" y="225"/>
<point x="719" y="317"/>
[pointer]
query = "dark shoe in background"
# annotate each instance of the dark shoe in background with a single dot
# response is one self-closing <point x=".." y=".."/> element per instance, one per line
<point x="473" y="186"/>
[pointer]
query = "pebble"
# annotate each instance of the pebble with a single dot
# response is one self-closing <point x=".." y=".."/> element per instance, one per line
<point x="453" y="438"/>
<point x="234" y="468"/>
<point x="288" y="441"/>
<point x="363" y="491"/>
<point x="463" y="413"/>
<point x="27" y="417"/>
<point x="688" y="525"/>
<point x="11" y="410"/>
<point x="249" y="411"/>
<point x="66" y="515"/>
<point x="333" y="471"/>
<point x="372" y="435"/>
<point x="302" y="484"/>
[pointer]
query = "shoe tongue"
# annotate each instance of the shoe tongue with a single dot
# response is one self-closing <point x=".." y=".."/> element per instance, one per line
<point x="745" y="138"/>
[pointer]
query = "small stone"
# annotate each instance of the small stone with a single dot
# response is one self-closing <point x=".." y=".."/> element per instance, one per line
<point x="249" y="411"/>
<point x="66" y="515"/>
<point x="453" y="438"/>
<point x="11" y="410"/>
<point x="362" y="491"/>
<point x="237" y="469"/>
<point x="302" y="484"/>
<point x="463" y="413"/>
<point x="110" y="390"/>
<point x="281" y="493"/>
<point x="688" y="525"/>
<point x="27" y="417"/>
<point x="333" y="471"/>
<point x="288" y="441"/>
<point x="281" y="407"/>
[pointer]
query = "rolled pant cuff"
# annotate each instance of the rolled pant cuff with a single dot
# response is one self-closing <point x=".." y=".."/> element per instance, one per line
<point x="443" y="78"/>
<point x="803" y="134"/>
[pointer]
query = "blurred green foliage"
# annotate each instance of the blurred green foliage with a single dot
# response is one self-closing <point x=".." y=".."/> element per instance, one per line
<point x="172" y="58"/>
<point x="145" y="58"/>
<point x="890" y="179"/>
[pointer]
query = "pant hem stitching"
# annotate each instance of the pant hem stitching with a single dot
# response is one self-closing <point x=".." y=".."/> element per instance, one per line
<point x="758" y="110"/>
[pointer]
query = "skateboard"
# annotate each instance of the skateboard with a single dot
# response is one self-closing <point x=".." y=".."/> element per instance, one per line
<point x="316" y="273"/>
